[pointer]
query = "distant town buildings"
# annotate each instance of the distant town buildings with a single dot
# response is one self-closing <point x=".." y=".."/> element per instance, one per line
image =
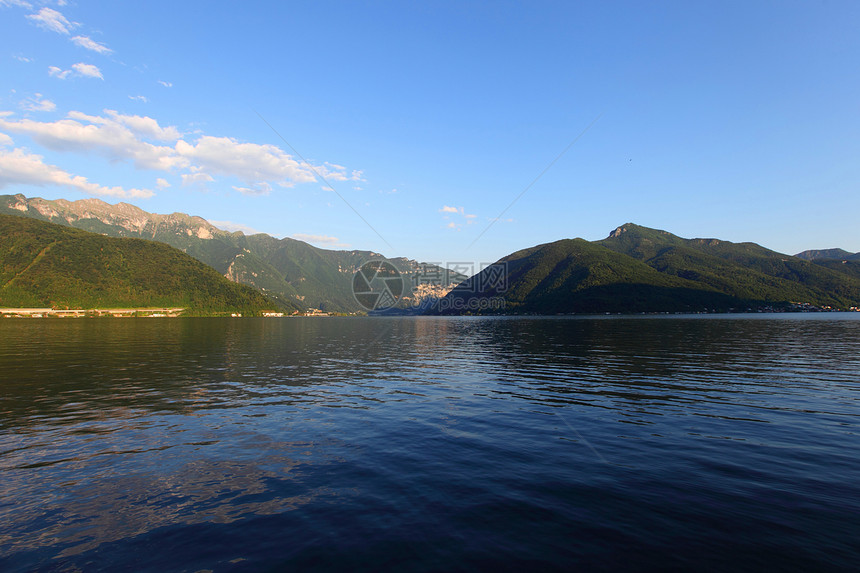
<point x="93" y="312"/>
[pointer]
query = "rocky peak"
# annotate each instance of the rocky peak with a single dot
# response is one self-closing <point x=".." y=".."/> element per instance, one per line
<point x="129" y="217"/>
<point x="625" y="228"/>
<point x="708" y="242"/>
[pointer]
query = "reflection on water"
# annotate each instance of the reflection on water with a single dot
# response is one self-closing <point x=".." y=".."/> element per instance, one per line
<point x="430" y="443"/>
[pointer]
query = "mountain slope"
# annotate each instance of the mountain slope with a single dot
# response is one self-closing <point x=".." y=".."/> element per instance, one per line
<point x="637" y="269"/>
<point x="825" y="254"/>
<point x="290" y="272"/>
<point x="48" y="265"/>
<point x="744" y="270"/>
<point x="850" y="268"/>
<point x="574" y="275"/>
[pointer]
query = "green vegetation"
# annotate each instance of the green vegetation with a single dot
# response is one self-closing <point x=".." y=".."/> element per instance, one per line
<point x="637" y="269"/>
<point x="748" y="272"/>
<point x="293" y="274"/>
<point x="48" y="265"/>
<point x="850" y="268"/>
<point x="817" y="255"/>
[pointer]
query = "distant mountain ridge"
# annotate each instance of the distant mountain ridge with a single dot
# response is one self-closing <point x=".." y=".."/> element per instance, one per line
<point x="638" y="269"/>
<point x="634" y="269"/>
<point x="828" y="254"/>
<point x="46" y="265"/>
<point x="291" y="272"/>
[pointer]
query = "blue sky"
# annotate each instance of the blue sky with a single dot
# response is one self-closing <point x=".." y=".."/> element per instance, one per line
<point x="737" y="120"/>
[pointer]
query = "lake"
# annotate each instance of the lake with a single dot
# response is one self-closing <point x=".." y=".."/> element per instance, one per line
<point x="719" y="442"/>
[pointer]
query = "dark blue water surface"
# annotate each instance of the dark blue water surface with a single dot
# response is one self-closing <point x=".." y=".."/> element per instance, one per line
<point x="425" y="444"/>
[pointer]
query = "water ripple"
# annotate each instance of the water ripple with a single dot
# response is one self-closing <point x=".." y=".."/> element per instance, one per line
<point x="427" y="444"/>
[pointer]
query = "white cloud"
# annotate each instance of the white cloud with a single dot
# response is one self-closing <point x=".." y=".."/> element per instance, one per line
<point x="145" y="126"/>
<point x="5" y="140"/>
<point x="90" y="44"/>
<point x="56" y="72"/>
<point x="149" y="145"/>
<point x="88" y="70"/>
<point x="162" y="183"/>
<point x="192" y="178"/>
<point x="334" y="172"/>
<point x="103" y="135"/>
<point x="250" y="162"/>
<point x="19" y="3"/>
<point x="165" y="84"/>
<point x="232" y="227"/>
<point x="262" y="188"/>
<point x="24" y="59"/>
<point x="51" y="20"/>
<point x="54" y="21"/>
<point x="320" y="240"/>
<point x="139" y="98"/>
<point x="36" y="104"/>
<point x="80" y="69"/>
<point x="470" y="219"/>
<point x="19" y="167"/>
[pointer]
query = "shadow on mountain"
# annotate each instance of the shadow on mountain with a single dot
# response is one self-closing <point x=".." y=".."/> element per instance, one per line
<point x="613" y="298"/>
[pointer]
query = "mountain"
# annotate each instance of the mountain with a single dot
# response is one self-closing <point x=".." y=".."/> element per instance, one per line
<point x="638" y="269"/>
<point x="838" y="260"/>
<point x="825" y="254"/>
<point x="47" y="265"/>
<point x="574" y="275"/>
<point x="746" y="271"/>
<point x="846" y="267"/>
<point x="290" y="272"/>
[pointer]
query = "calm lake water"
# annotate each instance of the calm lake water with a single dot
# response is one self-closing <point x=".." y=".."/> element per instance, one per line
<point x="428" y="444"/>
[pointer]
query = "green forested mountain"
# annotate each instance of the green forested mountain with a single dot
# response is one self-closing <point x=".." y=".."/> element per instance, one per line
<point x="48" y="265"/>
<point x="746" y="271"/>
<point x="637" y="269"/>
<point x="574" y="275"/>
<point x="850" y="268"/>
<point x="826" y="254"/>
<point x="291" y="272"/>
